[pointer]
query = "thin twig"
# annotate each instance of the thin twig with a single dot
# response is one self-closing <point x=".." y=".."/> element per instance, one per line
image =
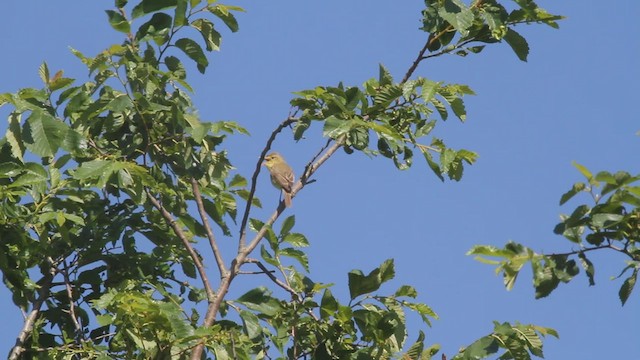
<point x="315" y="157"/>
<point x="187" y="244"/>
<point x="273" y="278"/>
<point x="426" y="46"/>
<point x="207" y="227"/>
<point x="576" y="252"/>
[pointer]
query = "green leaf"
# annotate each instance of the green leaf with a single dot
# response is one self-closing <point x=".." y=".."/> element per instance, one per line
<point x="360" y="284"/>
<point x="193" y="51"/>
<point x="266" y="255"/>
<point x="588" y="267"/>
<point x="458" y="15"/>
<point x="429" y="90"/>
<point x="384" y="77"/>
<point x="406" y="290"/>
<point x="457" y="105"/>
<point x="577" y="187"/>
<point x="222" y="12"/>
<point x="120" y="103"/>
<point x="518" y="44"/>
<point x="43" y="71"/>
<point x="14" y="136"/>
<point x="251" y="324"/>
<point x="238" y="181"/>
<point x="189" y="269"/>
<point x="287" y="225"/>
<point x="179" y="18"/>
<point x="627" y="287"/>
<point x="255" y="224"/>
<point x="60" y="83"/>
<point x="328" y="305"/>
<point x="44" y="134"/>
<point x="606" y="220"/>
<point x="415" y="351"/>
<point x="433" y="165"/>
<point x="296" y="239"/>
<point x="31" y="174"/>
<point x="334" y="127"/>
<point x="583" y="170"/>
<point x="260" y="299"/>
<point x="298" y="255"/>
<point x="118" y="22"/>
<point x="212" y="38"/>
<point x="175" y="66"/>
<point x="157" y="29"/>
<point x="480" y="349"/>
<point x="149" y="6"/>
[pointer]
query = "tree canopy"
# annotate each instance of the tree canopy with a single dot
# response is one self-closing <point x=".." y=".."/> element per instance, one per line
<point x="119" y="201"/>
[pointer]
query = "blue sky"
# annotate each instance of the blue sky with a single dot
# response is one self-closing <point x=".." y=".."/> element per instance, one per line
<point x="572" y="101"/>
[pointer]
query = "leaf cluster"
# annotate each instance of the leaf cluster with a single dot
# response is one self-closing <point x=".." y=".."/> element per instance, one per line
<point x="612" y="223"/>
<point x="388" y="118"/>
<point x="452" y="25"/>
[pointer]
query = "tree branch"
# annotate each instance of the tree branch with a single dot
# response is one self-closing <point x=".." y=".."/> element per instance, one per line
<point x="29" y="322"/>
<point x="207" y="227"/>
<point x="244" y="251"/>
<point x="599" y="247"/>
<point x="421" y="56"/>
<point x="69" y="289"/>
<point x="192" y="253"/>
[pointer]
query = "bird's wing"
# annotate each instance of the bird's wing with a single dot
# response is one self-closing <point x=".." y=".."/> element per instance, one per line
<point x="285" y="180"/>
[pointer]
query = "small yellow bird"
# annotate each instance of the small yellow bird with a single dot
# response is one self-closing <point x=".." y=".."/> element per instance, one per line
<point x="282" y="176"/>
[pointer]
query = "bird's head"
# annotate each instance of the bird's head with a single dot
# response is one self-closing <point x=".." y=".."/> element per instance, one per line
<point x="272" y="159"/>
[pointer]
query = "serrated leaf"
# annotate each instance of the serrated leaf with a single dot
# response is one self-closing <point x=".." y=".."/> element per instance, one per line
<point x="193" y="51"/>
<point x="260" y="299"/>
<point x="43" y="71"/>
<point x="118" y="22"/>
<point x="384" y="77"/>
<point x="296" y="254"/>
<point x="149" y="6"/>
<point x="518" y="44"/>
<point x="44" y="134"/>
<point x="429" y="89"/>
<point x="328" y="305"/>
<point x="583" y="170"/>
<point x="223" y="13"/>
<point x="588" y="267"/>
<point x="360" y="284"/>
<point x="255" y="224"/>
<point x="60" y="83"/>
<point x="406" y="290"/>
<point x="179" y="18"/>
<point x="211" y="36"/>
<point x="287" y="225"/>
<point x="251" y="324"/>
<point x="458" y="15"/>
<point x="296" y="239"/>
<point x="14" y="136"/>
<point x="577" y="187"/>
<point x="627" y="287"/>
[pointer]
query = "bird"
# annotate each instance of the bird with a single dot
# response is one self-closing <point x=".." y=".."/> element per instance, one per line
<point x="282" y="176"/>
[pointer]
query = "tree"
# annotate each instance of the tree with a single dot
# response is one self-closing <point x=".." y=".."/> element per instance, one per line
<point x="126" y="161"/>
